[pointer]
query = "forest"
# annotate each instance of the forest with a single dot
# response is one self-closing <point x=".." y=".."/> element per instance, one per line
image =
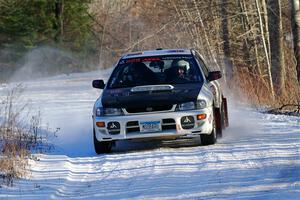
<point x="51" y="50"/>
<point x="256" y="44"/>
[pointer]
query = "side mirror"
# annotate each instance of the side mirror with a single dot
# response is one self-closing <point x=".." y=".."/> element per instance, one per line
<point x="214" y="75"/>
<point x="98" y="84"/>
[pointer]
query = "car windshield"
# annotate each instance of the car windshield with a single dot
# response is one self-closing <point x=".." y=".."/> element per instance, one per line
<point x="155" y="71"/>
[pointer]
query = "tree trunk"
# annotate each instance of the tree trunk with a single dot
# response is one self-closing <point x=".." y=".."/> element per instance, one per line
<point x="265" y="47"/>
<point x="276" y="45"/>
<point x="265" y="14"/>
<point x="209" y="46"/>
<point x="59" y="7"/>
<point x="226" y="40"/>
<point x="295" y="19"/>
<point x="246" y="27"/>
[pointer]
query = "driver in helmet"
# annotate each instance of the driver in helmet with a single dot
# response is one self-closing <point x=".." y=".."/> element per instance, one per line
<point x="181" y="69"/>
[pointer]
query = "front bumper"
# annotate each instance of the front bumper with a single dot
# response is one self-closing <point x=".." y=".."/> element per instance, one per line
<point x="171" y="125"/>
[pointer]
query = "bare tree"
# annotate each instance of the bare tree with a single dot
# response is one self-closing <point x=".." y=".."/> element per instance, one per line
<point x="276" y="45"/>
<point x="265" y="46"/>
<point x="295" y="19"/>
<point x="265" y="14"/>
<point x="226" y="39"/>
<point x="246" y="36"/>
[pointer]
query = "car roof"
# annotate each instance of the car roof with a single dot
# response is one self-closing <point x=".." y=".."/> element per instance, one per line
<point x="157" y="52"/>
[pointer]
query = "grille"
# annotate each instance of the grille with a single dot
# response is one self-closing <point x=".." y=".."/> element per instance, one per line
<point x="167" y="124"/>
<point x="132" y="126"/>
<point x="149" y="109"/>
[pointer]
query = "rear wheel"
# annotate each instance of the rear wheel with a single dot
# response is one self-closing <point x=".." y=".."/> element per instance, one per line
<point x="102" y="147"/>
<point x="211" y="138"/>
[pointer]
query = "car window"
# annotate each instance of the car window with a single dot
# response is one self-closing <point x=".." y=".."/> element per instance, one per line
<point x="155" y="70"/>
<point x="202" y="65"/>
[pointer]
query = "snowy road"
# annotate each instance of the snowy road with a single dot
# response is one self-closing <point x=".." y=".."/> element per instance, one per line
<point x="259" y="157"/>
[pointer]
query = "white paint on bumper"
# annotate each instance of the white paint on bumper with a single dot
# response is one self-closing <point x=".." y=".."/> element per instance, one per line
<point x="201" y="126"/>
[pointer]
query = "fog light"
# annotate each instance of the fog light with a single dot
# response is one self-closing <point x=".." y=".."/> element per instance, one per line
<point x="102" y="131"/>
<point x="100" y="124"/>
<point x="201" y="116"/>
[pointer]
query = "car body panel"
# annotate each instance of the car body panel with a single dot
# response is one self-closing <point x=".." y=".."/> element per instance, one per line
<point x="124" y="97"/>
<point x="201" y="127"/>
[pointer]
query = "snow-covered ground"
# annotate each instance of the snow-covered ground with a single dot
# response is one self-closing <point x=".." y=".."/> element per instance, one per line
<point x="258" y="158"/>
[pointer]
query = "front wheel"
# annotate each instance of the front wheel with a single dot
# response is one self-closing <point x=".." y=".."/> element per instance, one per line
<point x="102" y="147"/>
<point x="211" y="138"/>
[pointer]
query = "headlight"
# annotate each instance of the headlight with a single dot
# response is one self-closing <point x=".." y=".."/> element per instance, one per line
<point x="186" y="106"/>
<point x="99" y="112"/>
<point x="201" y="104"/>
<point x="108" y="112"/>
<point x="112" y="111"/>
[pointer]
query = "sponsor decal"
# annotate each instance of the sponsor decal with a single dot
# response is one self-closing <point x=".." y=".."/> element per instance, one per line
<point x="187" y="120"/>
<point x="150" y="59"/>
<point x="175" y="57"/>
<point x="113" y="126"/>
<point x="133" y="60"/>
<point x="213" y="90"/>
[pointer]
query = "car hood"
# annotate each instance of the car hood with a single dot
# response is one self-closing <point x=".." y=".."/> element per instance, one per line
<point x="129" y="98"/>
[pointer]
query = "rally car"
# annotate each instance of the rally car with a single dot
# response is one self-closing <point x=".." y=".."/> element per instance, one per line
<point x="163" y="93"/>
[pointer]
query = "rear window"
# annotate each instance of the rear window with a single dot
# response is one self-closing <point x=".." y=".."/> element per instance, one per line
<point x="155" y="71"/>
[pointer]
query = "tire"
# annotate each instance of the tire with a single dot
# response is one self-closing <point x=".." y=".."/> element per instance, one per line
<point x="211" y="138"/>
<point x="218" y="121"/>
<point x="102" y="147"/>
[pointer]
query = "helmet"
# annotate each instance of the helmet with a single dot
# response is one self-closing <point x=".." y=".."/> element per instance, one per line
<point x="183" y="65"/>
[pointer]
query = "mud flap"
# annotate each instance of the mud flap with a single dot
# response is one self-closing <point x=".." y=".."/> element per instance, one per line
<point x="224" y="100"/>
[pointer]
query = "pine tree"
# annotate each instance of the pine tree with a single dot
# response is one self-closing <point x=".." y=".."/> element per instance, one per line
<point x="31" y="23"/>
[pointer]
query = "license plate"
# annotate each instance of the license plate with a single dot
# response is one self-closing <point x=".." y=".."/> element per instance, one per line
<point x="152" y="126"/>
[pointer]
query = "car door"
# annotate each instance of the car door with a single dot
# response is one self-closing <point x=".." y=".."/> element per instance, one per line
<point x="214" y="86"/>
